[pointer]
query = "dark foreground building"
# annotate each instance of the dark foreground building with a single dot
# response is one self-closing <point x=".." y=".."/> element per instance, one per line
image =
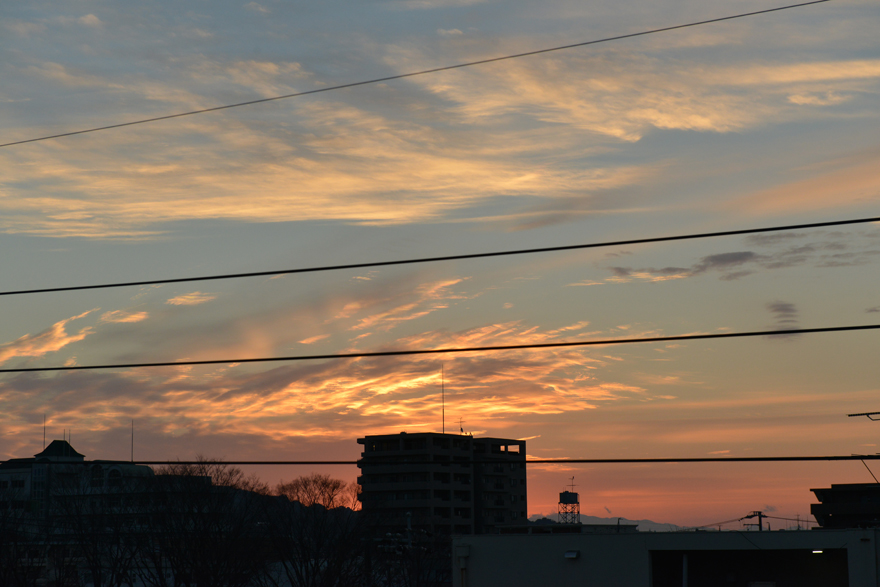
<point x="69" y="522"/>
<point x="39" y="486"/>
<point x="786" y="558"/>
<point x="843" y="551"/>
<point x="443" y="483"/>
<point x="850" y="505"/>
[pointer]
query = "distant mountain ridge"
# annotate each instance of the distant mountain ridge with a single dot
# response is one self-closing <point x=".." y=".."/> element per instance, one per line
<point x="644" y="525"/>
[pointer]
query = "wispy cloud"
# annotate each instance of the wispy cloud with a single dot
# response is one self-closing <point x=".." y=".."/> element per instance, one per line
<point x="432" y="4"/>
<point x="786" y="313"/>
<point x="120" y="316"/>
<point x="781" y="252"/>
<point x="191" y="299"/>
<point x="310" y="400"/>
<point x="626" y="93"/>
<point x="428" y="298"/>
<point x="89" y="20"/>
<point x="257" y="8"/>
<point x="50" y="340"/>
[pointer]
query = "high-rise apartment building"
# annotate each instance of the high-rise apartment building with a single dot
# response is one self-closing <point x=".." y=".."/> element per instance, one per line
<point x="443" y="483"/>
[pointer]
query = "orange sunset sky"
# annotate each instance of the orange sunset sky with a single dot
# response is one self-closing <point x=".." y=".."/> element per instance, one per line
<point x="760" y="121"/>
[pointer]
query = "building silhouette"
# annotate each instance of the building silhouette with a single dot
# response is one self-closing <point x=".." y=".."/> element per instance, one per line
<point x="67" y="521"/>
<point x="848" y="505"/>
<point x="37" y="485"/>
<point x="443" y="483"/>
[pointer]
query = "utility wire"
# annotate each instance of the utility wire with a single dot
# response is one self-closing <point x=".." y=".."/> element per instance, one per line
<point x="660" y="239"/>
<point x="545" y="345"/>
<point x="802" y="520"/>
<point x="540" y="461"/>
<point x="689" y="528"/>
<point x="411" y="74"/>
<point x="870" y="471"/>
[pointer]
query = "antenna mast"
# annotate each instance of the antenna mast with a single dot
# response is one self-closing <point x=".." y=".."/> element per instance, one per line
<point x="442" y="398"/>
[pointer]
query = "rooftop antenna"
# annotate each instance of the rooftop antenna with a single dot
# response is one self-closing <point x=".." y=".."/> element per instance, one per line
<point x="460" y="427"/>
<point x="132" y="440"/>
<point x="443" y="398"/>
<point x="44" y="431"/>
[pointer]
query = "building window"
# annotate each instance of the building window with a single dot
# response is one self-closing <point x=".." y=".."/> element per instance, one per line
<point x="97" y="476"/>
<point x="114" y="479"/>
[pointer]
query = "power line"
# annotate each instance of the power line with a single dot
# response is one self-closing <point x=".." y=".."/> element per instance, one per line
<point x="689" y="528"/>
<point x="411" y="74"/>
<point x="545" y="345"/>
<point x="803" y="521"/>
<point x="659" y="239"/>
<point x="870" y="471"/>
<point x="783" y="459"/>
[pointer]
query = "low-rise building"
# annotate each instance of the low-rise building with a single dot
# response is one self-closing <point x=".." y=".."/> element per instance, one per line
<point x="781" y="558"/>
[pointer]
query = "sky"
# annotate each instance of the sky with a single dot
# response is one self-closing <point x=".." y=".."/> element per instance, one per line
<point x="761" y="121"/>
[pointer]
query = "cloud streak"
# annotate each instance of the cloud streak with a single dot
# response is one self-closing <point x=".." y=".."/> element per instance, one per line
<point x="122" y="316"/>
<point x="310" y="400"/>
<point x="833" y="251"/>
<point x="50" y="340"/>
<point x="191" y="299"/>
<point x="345" y="160"/>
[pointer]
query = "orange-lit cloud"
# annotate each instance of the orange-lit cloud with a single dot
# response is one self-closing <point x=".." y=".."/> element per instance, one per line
<point x="429" y="299"/>
<point x="623" y="94"/>
<point x="121" y="316"/>
<point x="308" y="400"/>
<point x="48" y="341"/>
<point x="351" y="161"/>
<point x="191" y="299"/>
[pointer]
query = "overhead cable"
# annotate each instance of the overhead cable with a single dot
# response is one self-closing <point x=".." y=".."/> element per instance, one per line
<point x="639" y="241"/>
<point x="410" y="74"/>
<point x="491" y="348"/>
<point x="488" y="461"/>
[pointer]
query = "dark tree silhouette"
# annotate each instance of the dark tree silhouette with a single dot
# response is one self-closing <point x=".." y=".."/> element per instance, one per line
<point x="207" y="527"/>
<point x="316" y="539"/>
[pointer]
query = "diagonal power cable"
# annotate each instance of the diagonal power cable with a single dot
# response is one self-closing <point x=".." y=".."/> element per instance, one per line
<point x="660" y="239"/>
<point x="397" y="353"/>
<point x="410" y="74"/>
